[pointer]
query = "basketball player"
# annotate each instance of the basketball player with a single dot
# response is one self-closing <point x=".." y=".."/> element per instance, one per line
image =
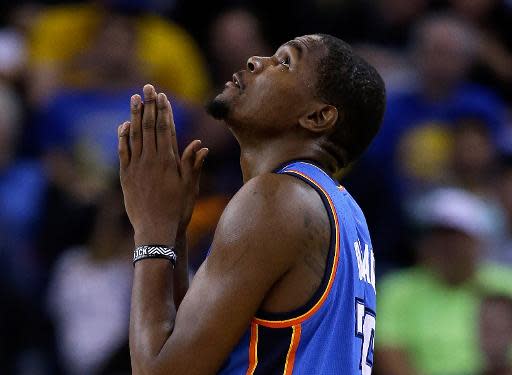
<point x="289" y="284"/>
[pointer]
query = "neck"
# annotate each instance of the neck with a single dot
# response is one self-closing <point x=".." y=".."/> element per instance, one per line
<point x="260" y="157"/>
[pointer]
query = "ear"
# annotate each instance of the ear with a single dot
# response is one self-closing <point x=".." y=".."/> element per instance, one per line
<point x="322" y="118"/>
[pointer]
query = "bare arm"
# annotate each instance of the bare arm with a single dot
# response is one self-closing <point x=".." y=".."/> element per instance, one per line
<point x="256" y="243"/>
<point x="245" y="261"/>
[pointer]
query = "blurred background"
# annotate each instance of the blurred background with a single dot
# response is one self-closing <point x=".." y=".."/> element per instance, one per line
<point x="435" y="185"/>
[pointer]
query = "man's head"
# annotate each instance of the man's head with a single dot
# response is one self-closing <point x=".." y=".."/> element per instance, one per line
<point x="313" y="88"/>
<point x="444" y="48"/>
<point x="456" y="227"/>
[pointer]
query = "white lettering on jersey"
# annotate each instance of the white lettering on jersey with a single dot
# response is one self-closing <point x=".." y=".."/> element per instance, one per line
<point x="365" y="263"/>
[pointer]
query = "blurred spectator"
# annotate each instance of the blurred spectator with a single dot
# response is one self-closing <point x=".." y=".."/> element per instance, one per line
<point x="474" y="157"/>
<point x="164" y="52"/>
<point x="393" y="65"/>
<point x="492" y="18"/>
<point x="76" y="131"/>
<point x="443" y="50"/>
<point x="396" y="19"/>
<point x="504" y="193"/>
<point x="428" y="315"/>
<point x="412" y="151"/>
<point x="84" y="120"/>
<point x="13" y="54"/>
<point x="235" y="35"/>
<point x="89" y="292"/>
<point x="23" y="329"/>
<point x="496" y="334"/>
<point x="22" y="188"/>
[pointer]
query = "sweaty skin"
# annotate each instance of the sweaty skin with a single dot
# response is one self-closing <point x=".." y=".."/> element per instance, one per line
<point x="270" y="247"/>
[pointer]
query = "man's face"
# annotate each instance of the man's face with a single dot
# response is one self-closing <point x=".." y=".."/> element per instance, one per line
<point x="451" y="254"/>
<point x="272" y="93"/>
<point x="441" y="54"/>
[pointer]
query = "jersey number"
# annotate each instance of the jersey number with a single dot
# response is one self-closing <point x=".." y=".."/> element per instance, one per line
<point x="365" y="329"/>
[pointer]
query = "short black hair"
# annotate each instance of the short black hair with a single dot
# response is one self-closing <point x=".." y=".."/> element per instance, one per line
<point x="355" y="88"/>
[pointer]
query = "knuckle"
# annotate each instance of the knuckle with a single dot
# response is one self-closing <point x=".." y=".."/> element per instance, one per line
<point x="134" y="135"/>
<point x="148" y="124"/>
<point x="161" y="126"/>
<point x="121" y="150"/>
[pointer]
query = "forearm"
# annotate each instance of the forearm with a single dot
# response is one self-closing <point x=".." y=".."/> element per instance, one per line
<point x="152" y="312"/>
<point x="181" y="271"/>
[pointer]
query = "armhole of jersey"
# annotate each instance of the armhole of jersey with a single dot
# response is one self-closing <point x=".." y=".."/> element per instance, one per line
<point x="299" y="315"/>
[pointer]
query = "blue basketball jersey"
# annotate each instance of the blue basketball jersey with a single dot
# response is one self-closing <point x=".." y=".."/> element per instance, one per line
<point x="334" y="332"/>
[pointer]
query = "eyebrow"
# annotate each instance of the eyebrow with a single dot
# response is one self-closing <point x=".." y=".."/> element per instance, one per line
<point x="298" y="46"/>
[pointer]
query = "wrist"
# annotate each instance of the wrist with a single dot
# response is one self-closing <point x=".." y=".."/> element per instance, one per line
<point x="155" y="236"/>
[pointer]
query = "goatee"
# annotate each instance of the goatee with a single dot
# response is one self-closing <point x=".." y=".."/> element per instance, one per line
<point x="218" y="109"/>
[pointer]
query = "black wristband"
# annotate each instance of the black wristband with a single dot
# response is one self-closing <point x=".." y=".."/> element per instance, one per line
<point x="154" y="251"/>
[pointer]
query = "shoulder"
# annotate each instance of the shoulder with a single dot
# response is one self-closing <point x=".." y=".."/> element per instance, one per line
<point x="276" y="212"/>
<point x="270" y="189"/>
<point x="279" y="199"/>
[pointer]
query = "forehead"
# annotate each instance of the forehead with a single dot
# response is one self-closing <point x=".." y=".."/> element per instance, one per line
<point x="308" y="42"/>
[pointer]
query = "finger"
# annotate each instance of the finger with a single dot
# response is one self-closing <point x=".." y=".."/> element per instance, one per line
<point x="163" y="128"/>
<point x="189" y="154"/>
<point x="123" y="131"/>
<point x="135" y="125"/>
<point x="200" y="157"/>
<point x="174" y="138"/>
<point x="148" y="121"/>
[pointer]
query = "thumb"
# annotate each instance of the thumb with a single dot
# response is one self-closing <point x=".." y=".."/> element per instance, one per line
<point x="198" y="166"/>
<point x="200" y="157"/>
<point x="188" y="158"/>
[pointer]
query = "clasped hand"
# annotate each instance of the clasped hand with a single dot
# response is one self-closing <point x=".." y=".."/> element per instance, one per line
<point x="159" y="186"/>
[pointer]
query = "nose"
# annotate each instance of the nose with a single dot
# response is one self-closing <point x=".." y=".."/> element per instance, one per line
<point x="256" y="64"/>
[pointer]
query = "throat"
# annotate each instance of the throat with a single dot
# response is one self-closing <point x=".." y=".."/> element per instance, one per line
<point x="264" y="157"/>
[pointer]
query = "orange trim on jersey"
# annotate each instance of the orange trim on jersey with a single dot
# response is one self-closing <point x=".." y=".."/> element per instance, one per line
<point x="294" y="343"/>
<point x="299" y="319"/>
<point x="253" y="350"/>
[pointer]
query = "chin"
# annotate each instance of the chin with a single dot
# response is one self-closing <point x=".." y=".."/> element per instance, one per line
<point x="219" y="108"/>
